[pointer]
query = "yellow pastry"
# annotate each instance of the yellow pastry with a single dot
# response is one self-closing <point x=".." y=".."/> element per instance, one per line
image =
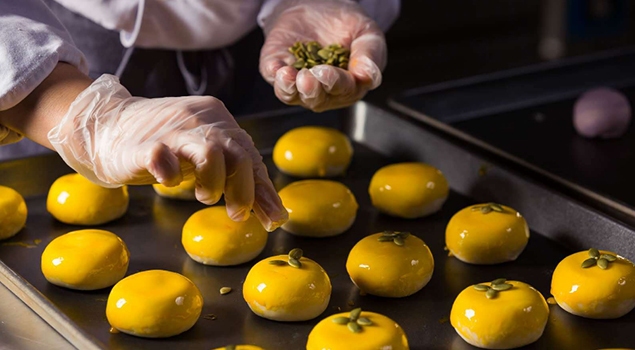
<point x="12" y="212"/>
<point x="313" y="151"/>
<point x="318" y="208"/>
<point x="74" y="200"/>
<point x="487" y="234"/>
<point x="154" y="304"/>
<point x="390" y="264"/>
<point x="85" y="260"/>
<point x="500" y="315"/>
<point x="184" y="191"/>
<point x="287" y="288"/>
<point x="595" y="284"/>
<point x="408" y="190"/>
<point x="357" y="330"/>
<point x="212" y="238"/>
<point x="240" y="347"/>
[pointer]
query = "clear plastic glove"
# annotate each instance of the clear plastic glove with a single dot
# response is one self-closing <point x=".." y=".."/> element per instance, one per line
<point x="112" y="139"/>
<point x="327" y="22"/>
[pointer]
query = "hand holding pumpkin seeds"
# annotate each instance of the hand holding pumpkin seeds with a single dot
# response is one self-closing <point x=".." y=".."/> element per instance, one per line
<point x="334" y="26"/>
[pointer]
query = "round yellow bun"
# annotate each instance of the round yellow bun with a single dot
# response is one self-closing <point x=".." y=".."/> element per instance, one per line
<point x="186" y="190"/>
<point x="85" y="260"/>
<point x="318" y="208"/>
<point x="478" y="237"/>
<point x="313" y="151"/>
<point x="154" y="304"/>
<point x="384" y="333"/>
<point x="74" y="200"/>
<point x="408" y="190"/>
<point x="593" y="292"/>
<point x="212" y="238"/>
<point x="241" y="347"/>
<point x="385" y="269"/>
<point x="513" y="318"/>
<point x="12" y="212"/>
<point x="286" y="293"/>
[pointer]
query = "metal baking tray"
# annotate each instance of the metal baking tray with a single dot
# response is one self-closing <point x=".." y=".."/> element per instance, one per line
<point x="152" y="231"/>
<point x="525" y="115"/>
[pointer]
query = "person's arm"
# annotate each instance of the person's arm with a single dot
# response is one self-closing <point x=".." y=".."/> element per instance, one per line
<point x="45" y="106"/>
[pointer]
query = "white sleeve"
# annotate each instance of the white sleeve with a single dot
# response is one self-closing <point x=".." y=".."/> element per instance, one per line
<point x="179" y="25"/>
<point x="384" y="12"/>
<point x="32" y="42"/>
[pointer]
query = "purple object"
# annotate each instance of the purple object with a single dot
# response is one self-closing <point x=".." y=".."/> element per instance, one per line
<point x="602" y="112"/>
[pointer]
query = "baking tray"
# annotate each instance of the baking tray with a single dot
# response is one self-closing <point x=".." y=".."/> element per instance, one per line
<point x="152" y="231"/>
<point x="526" y="115"/>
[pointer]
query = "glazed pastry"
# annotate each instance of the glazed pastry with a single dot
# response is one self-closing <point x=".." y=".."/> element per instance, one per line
<point x="240" y="347"/>
<point x="595" y="284"/>
<point x="184" y="191"/>
<point x="602" y="112"/>
<point x="390" y="264"/>
<point x="487" y="234"/>
<point x="500" y="314"/>
<point x="318" y="208"/>
<point x="85" y="260"/>
<point x="359" y="330"/>
<point x="12" y="212"/>
<point x="287" y="288"/>
<point x="313" y="151"/>
<point x="154" y="304"/>
<point x="74" y="200"/>
<point x="212" y="238"/>
<point x="408" y="190"/>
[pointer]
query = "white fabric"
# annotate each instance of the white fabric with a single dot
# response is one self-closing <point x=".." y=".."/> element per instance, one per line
<point x="32" y="42"/>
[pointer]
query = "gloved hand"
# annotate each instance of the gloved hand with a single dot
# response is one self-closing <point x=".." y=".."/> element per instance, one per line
<point x="327" y="22"/>
<point x="112" y="139"/>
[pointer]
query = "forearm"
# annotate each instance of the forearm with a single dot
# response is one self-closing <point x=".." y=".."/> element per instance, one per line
<point x="43" y="108"/>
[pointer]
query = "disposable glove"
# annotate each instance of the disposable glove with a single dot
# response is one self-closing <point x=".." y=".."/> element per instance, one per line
<point x="113" y="139"/>
<point x="328" y="22"/>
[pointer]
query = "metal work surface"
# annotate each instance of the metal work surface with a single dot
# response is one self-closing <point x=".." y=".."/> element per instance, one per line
<point x="152" y="231"/>
<point x="527" y="115"/>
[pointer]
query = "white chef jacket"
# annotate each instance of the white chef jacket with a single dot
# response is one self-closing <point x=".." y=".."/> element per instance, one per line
<point x="33" y="41"/>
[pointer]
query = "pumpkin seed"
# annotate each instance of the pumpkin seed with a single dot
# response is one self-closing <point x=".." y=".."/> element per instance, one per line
<point x="225" y="290"/>
<point x="299" y="64"/>
<point x="608" y="257"/>
<point x="354" y="327"/>
<point x="499" y="281"/>
<point x="486" y="210"/>
<point x="603" y="263"/>
<point x="277" y="262"/>
<point x="404" y="235"/>
<point x="295" y="263"/>
<point x="341" y="320"/>
<point x="399" y="241"/>
<point x="501" y="286"/>
<point x="385" y="239"/>
<point x="296" y="253"/>
<point x="594" y="253"/>
<point x="364" y="321"/>
<point x="354" y="315"/>
<point x="491" y="294"/>
<point x="496" y="207"/>
<point x="481" y="287"/>
<point x="588" y="263"/>
<point x="311" y="54"/>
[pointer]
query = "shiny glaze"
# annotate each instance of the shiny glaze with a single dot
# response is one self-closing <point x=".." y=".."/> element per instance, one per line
<point x="593" y="292"/>
<point x="384" y="333"/>
<point x="212" y="238"/>
<point x="516" y="317"/>
<point x="154" y="304"/>
<point x="243" y="347"/>
<point x="318" y="208"/>
<point x="285" y="293"/>
<point x="388" y="270"/>
<point x="85" y="260"/>
<point x="184" y="191"/>
<point x="74" y="200"/>
<point x="408" y="190"/>
<point x="313" y="151"/>
<point x="492" y="238"/>
<point x="12" y="212"/>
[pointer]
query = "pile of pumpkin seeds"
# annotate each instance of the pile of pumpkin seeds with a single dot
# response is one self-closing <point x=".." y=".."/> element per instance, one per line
<point x="497" y="285"/>
<point x="294" y="259"/>
<point x="353" y="321"/>
<point x="399" y="238"/>
<point x="601" y="260"/>
<point x="488" y="208"/>
<point x="312" y="54"/>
